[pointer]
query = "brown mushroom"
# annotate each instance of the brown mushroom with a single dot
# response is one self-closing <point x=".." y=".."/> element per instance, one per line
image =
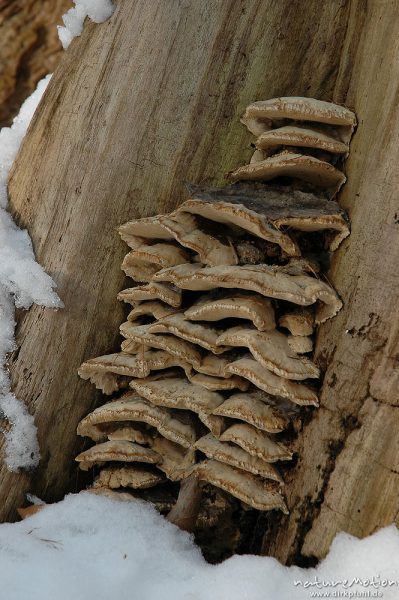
<point x="125" y="365"/>
<point x="273" y="384"/>
<point x="176" y="460"/>
<point x="103" y="379"/>
<point x="300" y="344"/>
<point x="301" y="137"/>
<point x="181" y="394"/>
<point x="121" y="450"/>
<point x="211" y="250"/>
<point x="154" y="309"/>
<point x="133" y="408"/>
<point x="211" y="368"/>
<point x="256" y="408"/>
<point x="143" y="262"/>
<point x="235" y="456"/>
<point x="289" y="164"/>
<point x="183" y="228"/>
<point x="254" y="491"/>
<point x="247" y="238"/>
<point x="271" y="350"/>
<point x="175" y="346"/>
<point x="298" y="322"/>
<point x="196" y="333"/>
<point x="131" y="476"/>
<point x="151" y="291"/>
<point x="130" y="433"/>
<point x="263" y="115"/>
<point x="269" y="212"/>
<point x="256" y="442"/>
<point x="270" y="281"/>
<point x="214" y="365"/>
<point x="239" y="306"/>
<point x="219" y="383"/>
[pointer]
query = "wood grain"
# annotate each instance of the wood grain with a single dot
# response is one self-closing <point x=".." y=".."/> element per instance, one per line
<point x="348" y="472"/>
<point x="29" y="49"/>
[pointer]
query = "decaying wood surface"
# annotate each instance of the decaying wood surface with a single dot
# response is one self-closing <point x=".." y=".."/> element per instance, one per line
<point x="185" y="512"/>
<point x="152" y="98"/>
<point x="348" y="475"/>
<point x="29" y="48"/>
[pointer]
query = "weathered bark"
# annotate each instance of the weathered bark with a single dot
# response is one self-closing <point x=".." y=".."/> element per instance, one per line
<point x="184" y="514"/>
<point x="348" y="472"/>
<point x="152" y="98"/>
<point x="29" y="48"/>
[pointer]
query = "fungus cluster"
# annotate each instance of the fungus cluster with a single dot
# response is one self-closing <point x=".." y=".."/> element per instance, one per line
<point x="216" y="358"/>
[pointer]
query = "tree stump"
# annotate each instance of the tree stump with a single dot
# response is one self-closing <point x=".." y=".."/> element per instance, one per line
<point x="152" y="98"/>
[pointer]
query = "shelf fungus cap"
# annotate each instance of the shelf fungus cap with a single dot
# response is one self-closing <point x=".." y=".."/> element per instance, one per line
<point x="133" y="408"/>
<point x="121" y="451"/>
<point x="129" y="433"/>
<point x="300" y="344"/>
<point x="260" y="116"/>
<point x="201" y="335"/>
<point x="271" y="350"/>
<point x="143" y="262"/>
<point x="254" y="308"/>
<point x="209" y="382"/>
<point x="302" y="137"/>
<point x="151" y="291"/>
<point x="298" y="322"/>
<point x="181" y="394"/>
<point x="269" y="212"/>
<point x="132" y="476"/>
<point x="147" y="228"/>
<point x="273" y="282"/>
<point x="186" y="230"/>
<point x="289" y="164"/>
<point x="102" y="377"/>
<point x="256" y="492"/>
<point x="103" y="371"/>
<point x="154" y="309"/>
<point x="172" y="344"/>
<point x="256" y="442"/>
<point x="212" y="250"/>
<point x="238" y="215"/>
<point x="176" y="461"/>
<point x="273" y="384"/>
<point x="236" y="457"/>
<point x="262" y="414"/>
<point x="214" y="364"/>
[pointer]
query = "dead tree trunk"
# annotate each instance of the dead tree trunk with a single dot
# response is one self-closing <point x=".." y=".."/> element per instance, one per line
<point x="152" y="98"/>
<point x="348" y="474"/>
<point x="29" y="49"/>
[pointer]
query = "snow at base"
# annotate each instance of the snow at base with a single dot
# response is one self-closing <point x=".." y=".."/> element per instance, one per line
<point x="97" y="10"/>
<point x="89" y="547"/>
<point x="22" y="283"/>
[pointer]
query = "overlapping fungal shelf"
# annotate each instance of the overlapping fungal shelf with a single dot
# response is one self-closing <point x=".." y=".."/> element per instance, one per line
<point x="216" y="360"/>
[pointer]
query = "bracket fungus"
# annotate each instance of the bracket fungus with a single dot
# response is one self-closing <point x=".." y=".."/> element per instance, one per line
<point x="254" y="308"/>
<point x="151" y="291"/>
<point x="268" y="280"/>
<point x="229" y="294"/>
<point x="299" y="138"/>
<point x="291" y="164"/>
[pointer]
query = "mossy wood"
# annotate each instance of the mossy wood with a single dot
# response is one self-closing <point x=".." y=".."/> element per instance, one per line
<point x="152" y="98"/>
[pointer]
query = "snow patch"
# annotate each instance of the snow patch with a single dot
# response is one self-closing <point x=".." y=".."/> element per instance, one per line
<point x="98" y="548"/>
<point x="22" y="283"/>
<point x="97" y="10"/>
<point x="22" y="447"/>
